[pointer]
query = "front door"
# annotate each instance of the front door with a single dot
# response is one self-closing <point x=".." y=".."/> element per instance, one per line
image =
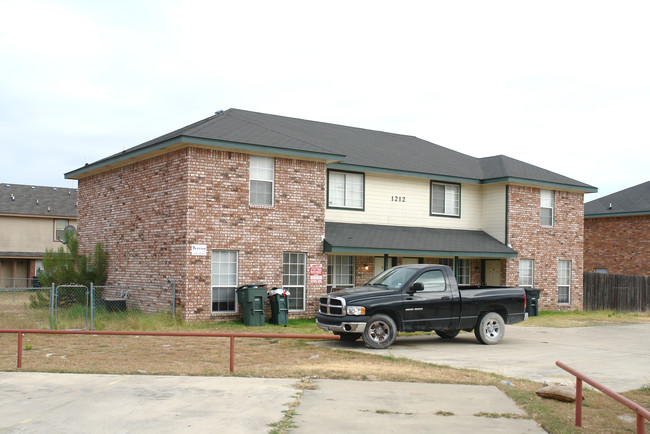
<point x="493" y="272"/>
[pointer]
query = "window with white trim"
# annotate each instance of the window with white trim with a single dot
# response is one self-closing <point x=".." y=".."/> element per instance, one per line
<point x="59" y="229"/>
<point x="293" y="279"/>
<point x="445" y="199"/>
<point x="345" y="190"/>
<point x="526" y="273"/>
<point x="261" y="180"/>
<point x="546" y="207"/>
<point x="340" y="272"/>
<point x="464" y="273"/>
<point x="564" y="282"/>
<point x="447" y="261"/>
<point x="224" y="280"/>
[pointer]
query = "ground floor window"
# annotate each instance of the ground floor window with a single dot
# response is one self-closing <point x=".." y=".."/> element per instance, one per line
<point x="526" y="273"/>
<point x="447" y="261"/>
<point x="464" y="271"/>
<point x="340" y="272"/>
<point x="293" y="278"/>
<point x="224" y="280"/>
<point x="564" y="282"/>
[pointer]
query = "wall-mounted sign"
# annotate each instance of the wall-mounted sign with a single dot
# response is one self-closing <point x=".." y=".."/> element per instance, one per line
<point x="199" y="250"/>
<point x="316" y="273"/>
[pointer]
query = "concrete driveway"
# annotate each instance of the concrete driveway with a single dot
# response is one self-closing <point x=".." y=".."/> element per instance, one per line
<point x="616" y="356"/>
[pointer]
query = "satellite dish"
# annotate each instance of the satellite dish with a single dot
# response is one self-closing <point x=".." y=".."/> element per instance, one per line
<point x="68" y="231"/>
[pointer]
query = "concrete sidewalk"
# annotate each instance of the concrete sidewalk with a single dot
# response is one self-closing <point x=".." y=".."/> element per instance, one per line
<point x="616" y="356"/>
<point x="76" y="403"/>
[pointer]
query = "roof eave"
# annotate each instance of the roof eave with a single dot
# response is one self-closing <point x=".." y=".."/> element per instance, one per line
<point x="328" y="248"/>
<point x="618" y="214"/>
<point x="182" y="141"/>
<point x="360" y="168"/>
<point x="583" y="188"/>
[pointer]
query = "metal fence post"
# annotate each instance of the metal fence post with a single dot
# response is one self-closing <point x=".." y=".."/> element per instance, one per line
<point x="174" y="300"/>
<point x="92" y="306"/>
<point x="52" y="307"/>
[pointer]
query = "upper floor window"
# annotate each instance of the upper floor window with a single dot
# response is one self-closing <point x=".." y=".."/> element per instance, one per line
<point x="345" y="190"/>
<point x="59" y="229"/>
<point x="546" y="207"/>
<point x="526" y="273"/>
<point x="261" y="180"/>
<point x="445" y="199"/>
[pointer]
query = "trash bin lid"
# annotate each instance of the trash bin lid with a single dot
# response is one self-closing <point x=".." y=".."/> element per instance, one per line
<point x="252" y="286"/>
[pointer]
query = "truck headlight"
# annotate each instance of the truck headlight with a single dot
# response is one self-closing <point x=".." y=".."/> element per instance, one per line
<point x="356" y="310"/>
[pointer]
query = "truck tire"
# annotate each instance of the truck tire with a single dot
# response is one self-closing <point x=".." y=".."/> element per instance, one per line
<point x="348" y="337"/>
<point x="490" y="328"/>
<point x="447" y="334"/>
<point x="380" y="332"/>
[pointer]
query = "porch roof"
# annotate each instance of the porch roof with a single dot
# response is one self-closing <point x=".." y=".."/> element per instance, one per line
<point x="411" y="241"/>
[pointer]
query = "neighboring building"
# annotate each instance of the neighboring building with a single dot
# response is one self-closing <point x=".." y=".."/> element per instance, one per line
<point x="33" y="219"/>
<point x="617" y="232"/>
<point x="244" y="197"/>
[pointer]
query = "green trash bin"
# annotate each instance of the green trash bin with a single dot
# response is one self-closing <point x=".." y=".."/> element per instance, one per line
<point x="279" y="299"/>
<point x="251" y="298"/>
<point x="532" y="301"/>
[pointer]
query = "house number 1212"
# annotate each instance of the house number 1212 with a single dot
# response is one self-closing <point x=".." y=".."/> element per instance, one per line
<point x="398" y="199"/>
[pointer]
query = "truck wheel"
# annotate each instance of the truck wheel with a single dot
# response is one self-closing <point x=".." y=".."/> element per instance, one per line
<point x="380" y="332"/>
<point x="490" y="329"/>
<point x="447" y="334"/>
<point x="348" y="337"/>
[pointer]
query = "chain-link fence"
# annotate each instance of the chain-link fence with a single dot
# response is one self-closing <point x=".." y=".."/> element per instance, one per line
<point x="78" y="307"/>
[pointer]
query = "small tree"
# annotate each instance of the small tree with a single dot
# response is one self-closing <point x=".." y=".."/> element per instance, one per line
<point x="67" y="266"/>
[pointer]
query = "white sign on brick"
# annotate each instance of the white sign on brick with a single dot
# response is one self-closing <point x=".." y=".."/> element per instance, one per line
<point x="199" y="250"/>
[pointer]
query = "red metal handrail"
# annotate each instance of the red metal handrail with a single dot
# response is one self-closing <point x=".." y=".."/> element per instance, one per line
<point x="232" y="337"/>
<point x="641" y="412"/>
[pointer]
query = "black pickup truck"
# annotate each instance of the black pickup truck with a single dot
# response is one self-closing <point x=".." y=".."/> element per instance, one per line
<point x="419" y="298"/>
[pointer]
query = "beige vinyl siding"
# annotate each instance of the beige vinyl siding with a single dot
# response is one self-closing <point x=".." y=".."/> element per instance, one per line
<point x="28" y="234"/>
<point x="493" y="215"/>
<point x="405" y="201"/>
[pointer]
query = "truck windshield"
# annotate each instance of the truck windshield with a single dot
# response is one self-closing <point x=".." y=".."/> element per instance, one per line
<point x="393" y="278"/>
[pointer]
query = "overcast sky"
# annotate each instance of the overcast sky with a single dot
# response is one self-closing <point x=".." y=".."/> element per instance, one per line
<point x="564" y="85"/>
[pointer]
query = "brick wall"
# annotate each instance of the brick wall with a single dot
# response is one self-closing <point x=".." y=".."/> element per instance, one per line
<point x="148" y="215"/>
<point x="619" y="244"/>
<point x="546" y="245"/>
<point x="220" y="216"/>
<point x="138" y="212"/>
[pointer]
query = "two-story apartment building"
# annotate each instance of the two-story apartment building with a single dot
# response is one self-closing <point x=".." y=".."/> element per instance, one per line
<point x="244" y="197"/>
<point x="33" y="219"/>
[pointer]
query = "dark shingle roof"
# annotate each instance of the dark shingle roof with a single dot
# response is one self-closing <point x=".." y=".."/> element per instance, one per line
<point x="16" y="199"/>
<point x="339" y="237"/>
<point x="633" y="200"/>
<point x="350" y="146"/>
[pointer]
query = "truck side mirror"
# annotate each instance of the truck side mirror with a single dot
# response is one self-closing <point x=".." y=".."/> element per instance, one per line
<point x="417" y="286"/>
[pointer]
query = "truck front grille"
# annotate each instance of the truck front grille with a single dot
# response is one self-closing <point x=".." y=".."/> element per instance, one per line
<point x="334" y="306"/>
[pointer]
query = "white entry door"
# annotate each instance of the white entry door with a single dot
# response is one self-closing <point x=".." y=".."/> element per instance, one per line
<point x="493" y="273"/>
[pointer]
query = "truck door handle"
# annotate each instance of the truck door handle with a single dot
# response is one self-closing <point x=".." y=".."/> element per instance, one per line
<point x="446" y="297"/>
